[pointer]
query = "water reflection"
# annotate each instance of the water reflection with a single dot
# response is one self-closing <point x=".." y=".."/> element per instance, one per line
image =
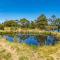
<point x="33" y="40"/>
<point x="46" y="40"/>
<point x="50" y="40"/>
<point x="41" y="39"/>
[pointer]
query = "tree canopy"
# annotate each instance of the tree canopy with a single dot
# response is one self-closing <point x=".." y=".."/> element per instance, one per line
<point x="10" y="23"/>
<point x="41" y="22"/>
<point x="24" y="23"/>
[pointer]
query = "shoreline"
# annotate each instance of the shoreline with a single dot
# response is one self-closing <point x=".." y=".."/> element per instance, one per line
<point x="16" y="51"/>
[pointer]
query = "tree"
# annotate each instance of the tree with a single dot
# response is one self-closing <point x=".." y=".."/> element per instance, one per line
<point x="42" y="22"/>
<point x="52" y="22"/>
<point x="52" y="19"/>
<point x="33" y="25"/>
<point x="1" y="27"/>
<point x="24" y="23"/>
<point x="10" y="23"/>
<point x="57" y="23"/>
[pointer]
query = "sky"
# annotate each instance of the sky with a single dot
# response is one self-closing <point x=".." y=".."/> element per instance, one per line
<point x="29" y="9"/>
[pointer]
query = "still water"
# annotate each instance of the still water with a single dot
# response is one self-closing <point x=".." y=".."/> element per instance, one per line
<point x="33" y="40"/>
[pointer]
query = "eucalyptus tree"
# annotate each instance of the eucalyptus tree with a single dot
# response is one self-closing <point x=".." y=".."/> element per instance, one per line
<point x="24" y="23"/>
<point x="42" y="21"/>
<point x="57" y="23"/>
<point x="52" y="21"/>
<point x="1" y="26"/>
<point x="33" y="25"/>
<point x="53" y="18"/>
<point x="10" y="23"/>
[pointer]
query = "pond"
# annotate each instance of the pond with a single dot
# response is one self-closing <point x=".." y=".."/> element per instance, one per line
<point x="38" y="40"/>
<point x="55" y="30"/>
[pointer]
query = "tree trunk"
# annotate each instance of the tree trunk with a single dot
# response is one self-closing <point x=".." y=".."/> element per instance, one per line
<point x="58" y="28"/>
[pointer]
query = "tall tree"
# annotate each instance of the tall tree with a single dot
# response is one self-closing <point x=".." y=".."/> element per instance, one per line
<point x="51" y="21"/>
<point x="53" y="18"/>
<point x="57" y="23"/>
<point x="42" y="21"/>
<point x="24" y="23"/>
<point x="33" y="25"/>
<point x="1" y="26"/>
<point x="10" y="23"/>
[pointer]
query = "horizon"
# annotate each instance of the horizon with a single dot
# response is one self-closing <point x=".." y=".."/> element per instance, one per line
<point x="29" y="9"/>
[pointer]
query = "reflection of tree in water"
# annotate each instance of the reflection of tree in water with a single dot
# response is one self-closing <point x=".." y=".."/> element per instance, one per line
<point x="16" y="39"/>
<point x="23" y="37"/>
<point x="20" y="38"/>
<point x="41" y="39"/>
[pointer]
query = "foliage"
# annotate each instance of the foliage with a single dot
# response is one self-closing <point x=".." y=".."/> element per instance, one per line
<point x="33" y="25"/>
<point x="57" y="23"/>
<point x="1" y="27"/>
<point x="51" y="20"/>
<point x="24" y="23"/>
<point x="41" y="22"/>
<point x="10" y="23"/>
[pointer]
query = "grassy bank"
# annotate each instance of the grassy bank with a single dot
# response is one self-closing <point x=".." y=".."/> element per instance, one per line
<point x="16" y="51"/>
<point x="31" y="32"/>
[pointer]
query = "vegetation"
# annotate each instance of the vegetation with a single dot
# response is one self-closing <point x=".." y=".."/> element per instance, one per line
<point x="57" y="23"/>
<point x="1" y="27"/>
<point x="17" y="51"/>
<point x="24" y="23"/>
<point x="10" y="23"/>
<point x="41" y="23"/>
<point x="22" y="51"/>
<point x="32" y="25"/>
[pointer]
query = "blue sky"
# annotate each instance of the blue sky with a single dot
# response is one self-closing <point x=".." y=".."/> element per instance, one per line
<point x="30" y="9"/>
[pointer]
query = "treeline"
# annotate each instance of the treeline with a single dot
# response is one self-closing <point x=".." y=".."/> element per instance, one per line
<point x="42" y="22"/>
